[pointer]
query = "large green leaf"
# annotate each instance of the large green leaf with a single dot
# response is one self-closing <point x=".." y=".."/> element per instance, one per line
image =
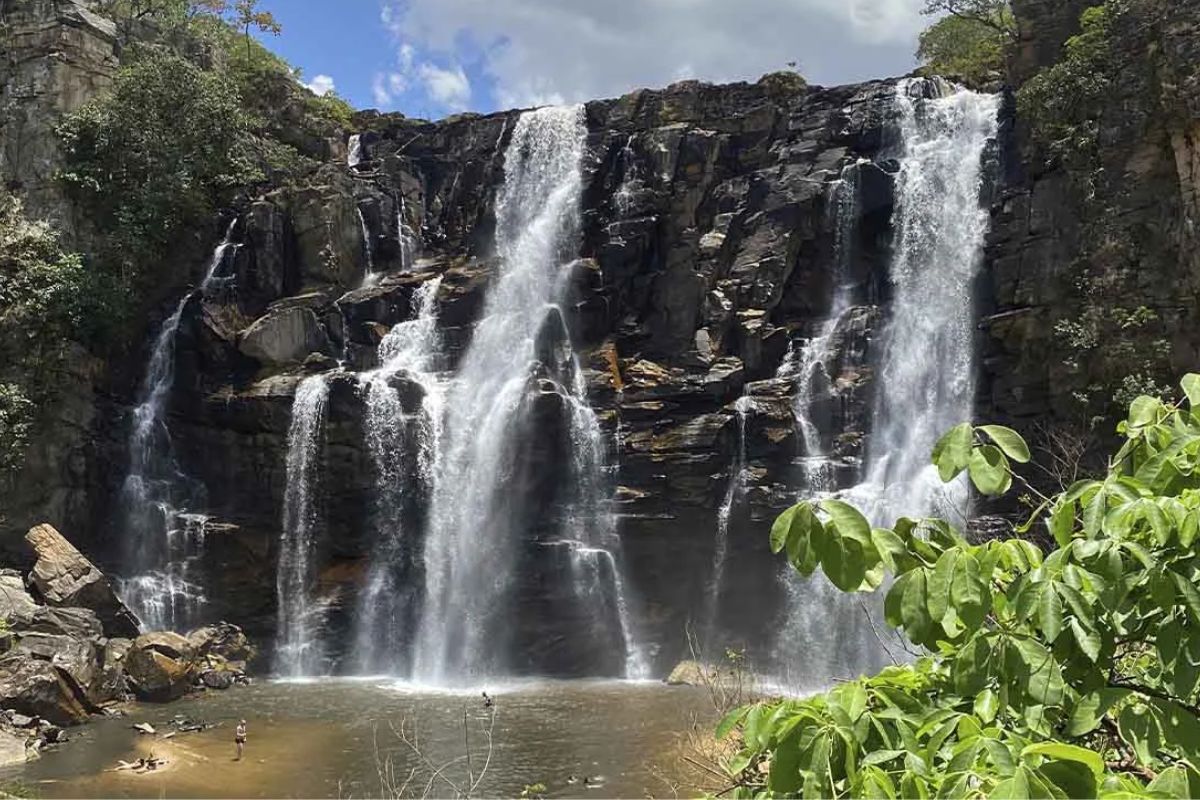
<point x="940" y="581"/>
<point x="1009" y="441"/>
<point x="1143" y="411"/>
<point x="1088" y="640"/>
<point x="986" y="705"/>
<point x="914" y="607"/>
<point x="969" y="593"/>
<point x="988" y="468"/>
<point x="1050" y="613"/>
<point x="848" y="520"/>
<point x="952" y="452"/>
<point x="1066" y="752"/>
<point x="1072" y="779"/>
<point x="1091" y="708"/>
<point x="1191" y="388"/>
<point x="801" y="547"/>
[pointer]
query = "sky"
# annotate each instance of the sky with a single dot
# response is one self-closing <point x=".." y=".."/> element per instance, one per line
<point x="431" y="58"/>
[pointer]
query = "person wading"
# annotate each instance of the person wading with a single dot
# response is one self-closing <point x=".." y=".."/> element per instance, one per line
<point x="239" y="738"/>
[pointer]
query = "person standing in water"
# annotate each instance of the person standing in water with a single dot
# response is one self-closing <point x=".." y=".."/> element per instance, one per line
<point x="239" y="738"/>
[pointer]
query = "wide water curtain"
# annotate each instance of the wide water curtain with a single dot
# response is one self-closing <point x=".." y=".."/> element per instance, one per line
<point x="926" y="372"/>
<point x="476" y="520"/>
<point x="927" y="376"/>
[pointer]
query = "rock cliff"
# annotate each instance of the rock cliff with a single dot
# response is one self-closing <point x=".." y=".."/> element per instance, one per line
<point x="709" y="234"/>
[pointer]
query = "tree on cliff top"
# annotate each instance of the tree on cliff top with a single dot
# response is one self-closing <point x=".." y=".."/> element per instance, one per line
<point x="970" y="41"/>
<point x="1072" y="673"/>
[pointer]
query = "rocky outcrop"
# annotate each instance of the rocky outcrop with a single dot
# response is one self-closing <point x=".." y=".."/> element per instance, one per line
<point x="63" y="576"/>
<point x="58" y="55"/>
<point x="1120" y="218"/>
<point x="62" y="662"/>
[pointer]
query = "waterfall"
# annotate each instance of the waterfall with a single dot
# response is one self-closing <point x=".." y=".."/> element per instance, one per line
<point x="925" y="381"/>
<point x="733" y="491"/>
<point x="808" y="365"/>
<point x="163" y="541"/>
<point x="403" y="446"/>
<point x="476" y="532"/>
<point x="368" y="251"/>
<point x="354" y="152"/>
<point x="406" y="237"/>
<point x="300" y="614"/>
<point x="926" y="378"/>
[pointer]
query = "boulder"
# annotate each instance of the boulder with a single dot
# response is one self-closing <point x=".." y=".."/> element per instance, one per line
<point x="16" y="605"/>
<point x="75" y="659"/>
<point x="76" y="623"/>
<point x="34" y="686"/>
<point x="64" y="577"/>
<point x="160" y="666"/>
<point x="284" y="336"/>
<point x="223" y="640"/>
<point x="689" y="673"/>
<point x="110" y="683"/>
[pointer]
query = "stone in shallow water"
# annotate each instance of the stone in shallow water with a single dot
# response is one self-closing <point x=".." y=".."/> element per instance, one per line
<point x="160" y="666"/>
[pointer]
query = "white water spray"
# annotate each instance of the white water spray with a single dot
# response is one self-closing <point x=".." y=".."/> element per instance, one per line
<point x="300" y="615"/>
<point x="164" y="541"/>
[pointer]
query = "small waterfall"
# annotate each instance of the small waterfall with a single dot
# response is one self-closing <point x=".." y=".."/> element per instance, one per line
<point x="476" y="532"/>
<point x="403" y="444"/>
<point x="630" y="181"/>
<point x="164" y="542"/>
<point x="406" y="237"/>
<point x="368" y="249"/>
<point x="299" y="651"/>
<point x="809" y="364"/>
<point x="354" y="152"/>
<point x="926" y="378"/>
<point x="733" y="492"/>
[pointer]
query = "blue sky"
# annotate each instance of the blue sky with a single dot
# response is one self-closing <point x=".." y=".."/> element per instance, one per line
<point x="430" y="58"/>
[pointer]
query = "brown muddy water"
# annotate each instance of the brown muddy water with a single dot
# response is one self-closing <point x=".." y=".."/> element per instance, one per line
<point x="334" y="738"/>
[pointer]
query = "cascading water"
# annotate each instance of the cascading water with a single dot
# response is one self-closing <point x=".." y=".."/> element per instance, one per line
<point x="926" y="373"/>
<point x="403" y="444"/>
<point x="299" y="650"/>
<point x="368" y="249"/>
<point x="406" y="237"/>
<point x="163" y="540"/>
<point x="734" y="490"/>
<point x="475" y="528"/>
<point x="926" y="379"/>
<point x="354" y="151"/>
<point x="808" y="364"/>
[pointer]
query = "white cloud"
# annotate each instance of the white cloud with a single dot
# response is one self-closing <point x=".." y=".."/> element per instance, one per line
<point x="534" y="51"/>
<point x="320" y="85"/>
<point x="449" y="87"/>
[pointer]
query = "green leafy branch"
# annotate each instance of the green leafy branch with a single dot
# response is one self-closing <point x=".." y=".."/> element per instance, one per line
<point x="1072" y="673"/>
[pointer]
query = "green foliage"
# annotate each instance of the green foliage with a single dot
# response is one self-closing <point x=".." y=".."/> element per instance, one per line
<point x="46" y="298"/>
<point x="156" y="155"/>
<point x="1064" y="103"/>
<point x="16" y="422"/>
<point x="973" y="46"/>
<point x="1073" y="673"/>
